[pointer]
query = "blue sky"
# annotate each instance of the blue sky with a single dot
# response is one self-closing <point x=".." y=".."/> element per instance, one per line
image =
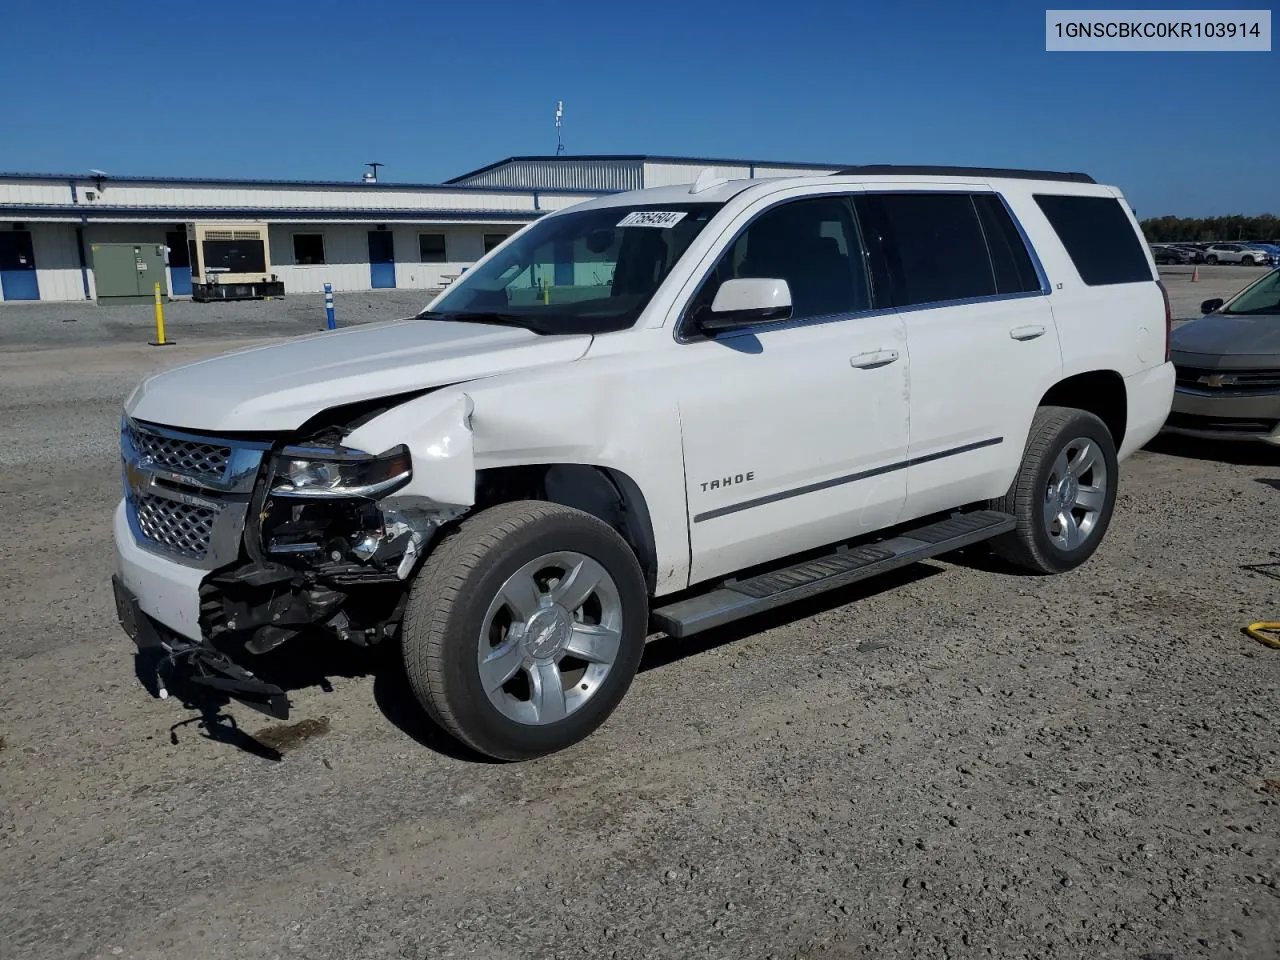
<point x="313" y="90"/>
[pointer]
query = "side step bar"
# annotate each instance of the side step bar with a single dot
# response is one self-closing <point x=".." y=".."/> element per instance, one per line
<point x="735" y="599"/>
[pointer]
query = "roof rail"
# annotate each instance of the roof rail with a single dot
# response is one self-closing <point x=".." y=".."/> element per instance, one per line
<point x="893" y="169"/>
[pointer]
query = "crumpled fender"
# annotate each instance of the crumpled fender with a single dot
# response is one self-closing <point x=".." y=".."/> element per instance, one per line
<point x="437" y="430"/>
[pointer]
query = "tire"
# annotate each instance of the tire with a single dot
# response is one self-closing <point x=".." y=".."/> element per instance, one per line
<point x="1041" y="542"/>
<point x="1247" y="261"/>
<point x="458" y="613"/>
<point x="1211" y="258"/>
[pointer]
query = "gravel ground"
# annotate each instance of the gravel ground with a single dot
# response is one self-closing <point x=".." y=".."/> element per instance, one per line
<point x="954" y="762"/>
<point x="29" y="326"/>
<point x="1218" y="280"/>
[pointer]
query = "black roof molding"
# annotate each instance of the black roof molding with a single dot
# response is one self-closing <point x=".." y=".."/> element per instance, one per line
<point x="908" y="170"/>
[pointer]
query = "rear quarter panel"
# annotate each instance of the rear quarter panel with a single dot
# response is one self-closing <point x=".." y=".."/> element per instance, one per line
<point x="1116" y="327"/>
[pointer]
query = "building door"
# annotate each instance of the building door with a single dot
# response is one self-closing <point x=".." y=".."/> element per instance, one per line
<point x="18" y="266"/>
<point x="179" y="263"/>
<point x="382" y="259"/>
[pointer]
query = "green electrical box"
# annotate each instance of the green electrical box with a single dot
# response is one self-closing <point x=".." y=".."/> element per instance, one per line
<point x="128" y="272"/>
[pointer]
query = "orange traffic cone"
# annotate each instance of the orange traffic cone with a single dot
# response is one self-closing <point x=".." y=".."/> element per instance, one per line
<point x="1195" y="275"/>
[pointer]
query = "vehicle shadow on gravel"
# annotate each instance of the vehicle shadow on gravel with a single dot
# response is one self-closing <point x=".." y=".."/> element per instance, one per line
<point x="663" y="650"/>
<point x="396" y="700"/>
<point x="315" y="661"/>
<point x="307" y="662"/>
<point x="1236" y="453"/>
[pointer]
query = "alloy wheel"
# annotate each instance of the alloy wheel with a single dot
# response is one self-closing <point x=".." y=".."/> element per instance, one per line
<point x="549" y="638"/>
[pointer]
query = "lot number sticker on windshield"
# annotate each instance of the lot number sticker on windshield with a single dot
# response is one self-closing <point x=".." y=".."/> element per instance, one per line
<point x="652" y="218"/>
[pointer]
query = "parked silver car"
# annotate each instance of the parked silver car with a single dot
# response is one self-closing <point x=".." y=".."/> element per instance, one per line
<point x="1228" y="367"/>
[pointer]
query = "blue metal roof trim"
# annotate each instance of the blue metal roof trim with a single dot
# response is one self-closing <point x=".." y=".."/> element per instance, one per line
<point x="646" y="157"/>
<point x="86" y="212"/>
<point x="447" y="187"/>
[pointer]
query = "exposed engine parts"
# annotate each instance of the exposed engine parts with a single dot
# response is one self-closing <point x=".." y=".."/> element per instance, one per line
<point x="307" y="563"/>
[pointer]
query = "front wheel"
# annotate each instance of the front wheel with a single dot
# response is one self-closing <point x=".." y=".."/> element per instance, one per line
<point x="1064" y="493"/>
<point x="1247" y="261"/>
<point x="524" y="628"/>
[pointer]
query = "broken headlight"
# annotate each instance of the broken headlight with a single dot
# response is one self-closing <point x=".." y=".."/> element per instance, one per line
<point x="339" y="472"/>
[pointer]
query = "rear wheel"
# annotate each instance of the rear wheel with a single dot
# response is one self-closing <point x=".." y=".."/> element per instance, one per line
<point x="524" y="628"/>
<point x="1064" y="493"/>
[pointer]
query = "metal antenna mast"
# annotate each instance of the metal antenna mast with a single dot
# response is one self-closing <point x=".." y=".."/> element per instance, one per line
<point x="559" y="118"/>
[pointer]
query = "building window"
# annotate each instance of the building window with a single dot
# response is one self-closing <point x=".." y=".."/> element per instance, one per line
<point x="491" y="240"/>
<point x="308" y="248"/>
<point x="431" y="248"/>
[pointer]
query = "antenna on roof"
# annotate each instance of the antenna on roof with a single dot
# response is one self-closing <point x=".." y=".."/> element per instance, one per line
<point x="706" y="180"/>
<point x="372" y="175"/>
<point x="559" y="117"/>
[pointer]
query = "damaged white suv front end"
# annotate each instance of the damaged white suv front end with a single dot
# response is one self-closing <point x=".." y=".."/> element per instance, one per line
<point x="300" y="493"/>
<point x="245" y="539"/>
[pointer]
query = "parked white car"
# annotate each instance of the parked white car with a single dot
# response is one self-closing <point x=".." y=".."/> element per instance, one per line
<point x="1235" y="253"/>
<point x="782" y="386"/>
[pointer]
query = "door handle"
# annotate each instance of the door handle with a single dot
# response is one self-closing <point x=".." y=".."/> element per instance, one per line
<point x="873" y="359"/>
<point x="1029" y="332"/>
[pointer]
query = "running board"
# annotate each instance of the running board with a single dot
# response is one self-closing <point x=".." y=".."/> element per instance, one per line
<point x="735" y="599"/>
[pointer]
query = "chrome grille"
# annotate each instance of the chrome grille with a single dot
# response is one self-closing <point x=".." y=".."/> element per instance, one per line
<point x="178" y="527"/>
<point x="187" y="457"/>
<point x="185" y="494"/>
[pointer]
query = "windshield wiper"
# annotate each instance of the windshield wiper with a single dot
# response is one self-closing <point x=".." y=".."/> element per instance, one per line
<point x="1255" y="312"/>
<point x="500" y="319"/>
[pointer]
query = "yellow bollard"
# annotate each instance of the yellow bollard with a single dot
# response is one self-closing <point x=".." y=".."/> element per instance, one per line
<point x="160" y="341"/>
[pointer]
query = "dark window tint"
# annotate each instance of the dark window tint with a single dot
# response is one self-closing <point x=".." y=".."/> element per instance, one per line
<point x="234" y="256"/>
<point x="811" y="244"/>
<point x="933" y="243"/>
<point x="308" y="248"/>
<point x="1098" y="237"/>
<point x="492" y="240"/>
<point x="431" y="247"/>
<point x="179" y="252"/>
<point x="1009" y="258"/>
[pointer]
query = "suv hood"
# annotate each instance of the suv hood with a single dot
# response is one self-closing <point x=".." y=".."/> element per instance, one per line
<point x="1222" y="341"/>
<point x="281" y="386"/>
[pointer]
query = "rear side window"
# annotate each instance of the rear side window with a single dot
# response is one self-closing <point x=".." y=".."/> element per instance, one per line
<point x="1009" y="258"/>
<point x="933" y="243"/>
<point x="1098" y="237"/>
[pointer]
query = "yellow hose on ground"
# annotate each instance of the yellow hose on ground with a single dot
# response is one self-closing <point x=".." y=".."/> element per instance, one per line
<point x="1265" y="631"/>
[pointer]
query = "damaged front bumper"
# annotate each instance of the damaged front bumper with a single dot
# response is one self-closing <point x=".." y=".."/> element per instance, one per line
<point x="229" y="546"/>
<point x="197" y="663"/>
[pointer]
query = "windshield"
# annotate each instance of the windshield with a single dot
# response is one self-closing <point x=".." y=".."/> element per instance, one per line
<point x="587" y="272"/>
<point x="1262" y="297"/>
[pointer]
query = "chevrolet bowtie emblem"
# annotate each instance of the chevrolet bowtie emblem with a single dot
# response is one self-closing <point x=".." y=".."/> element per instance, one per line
<point x="137" y="477"/>
<point x="1217" y="380"/>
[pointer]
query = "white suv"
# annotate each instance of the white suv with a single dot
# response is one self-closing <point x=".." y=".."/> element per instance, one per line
<point x="658" y="410"/>
<point x="1235" y="253"/>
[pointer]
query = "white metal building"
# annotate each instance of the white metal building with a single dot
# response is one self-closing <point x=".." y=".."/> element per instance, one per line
<point x="319" y="232"/>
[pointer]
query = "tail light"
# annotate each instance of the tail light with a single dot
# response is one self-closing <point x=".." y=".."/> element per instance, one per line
<point x="1168" y="322"/>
